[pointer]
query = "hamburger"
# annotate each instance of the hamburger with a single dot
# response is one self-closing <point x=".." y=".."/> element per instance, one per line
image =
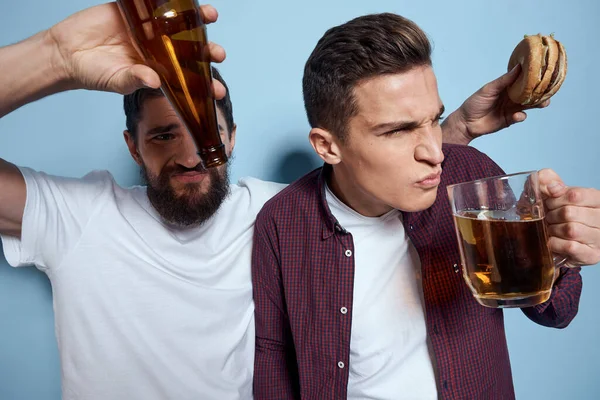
<point x="543" y="69"/>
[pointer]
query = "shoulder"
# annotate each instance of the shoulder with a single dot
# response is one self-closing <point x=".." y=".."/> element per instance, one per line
<point x="459" y="152"/>
<point x="464" y="163"/>
<point x="258" y="188"/>
<point x="248" y="196"/>
<point x="92" y="184"/>
<point x="91" y="178"/>
<point x="301" y="195"/>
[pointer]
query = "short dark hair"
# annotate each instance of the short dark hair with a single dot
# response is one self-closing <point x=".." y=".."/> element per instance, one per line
<point x="133" y="104"/>
<point x="347" y="54"/>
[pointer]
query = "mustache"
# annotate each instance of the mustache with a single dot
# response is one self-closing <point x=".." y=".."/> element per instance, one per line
<point x="180" y="169"/>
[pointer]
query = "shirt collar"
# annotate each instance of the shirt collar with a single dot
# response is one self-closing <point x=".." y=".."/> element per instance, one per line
<point x="331" y="223"/>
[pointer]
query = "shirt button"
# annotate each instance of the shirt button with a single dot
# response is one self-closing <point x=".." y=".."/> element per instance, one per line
<point x="348" y="253"/>
<point x="343" y="310"/>
<point x="411" y="227"/>
<point x="341" y="365"/>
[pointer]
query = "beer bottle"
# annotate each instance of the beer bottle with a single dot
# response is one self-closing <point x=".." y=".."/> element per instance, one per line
<point x="171" y="36"/>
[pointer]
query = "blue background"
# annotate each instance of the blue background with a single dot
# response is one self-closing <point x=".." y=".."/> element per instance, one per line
<point x="268" y="42"/>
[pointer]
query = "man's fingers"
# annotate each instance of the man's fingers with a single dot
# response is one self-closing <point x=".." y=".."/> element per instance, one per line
<point x="518" y="117"/>
<point x="209" y="14"/>
<point x="551" y="185"/>
<point x="583" y="215"/>
<point x="500" y="84"/>
<point x="541" y="105"/>
<point x="219" y="90"/>
<point x="217" y="53"/>
<point x="577" y="253"/>
<point x="577" y="232"/>
<point x="575" y="196"/>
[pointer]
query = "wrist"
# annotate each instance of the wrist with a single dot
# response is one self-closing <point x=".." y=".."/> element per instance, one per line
<point x="455" y="130"/>
<point x="58" y="71"/>
<point x="36" y="70"/>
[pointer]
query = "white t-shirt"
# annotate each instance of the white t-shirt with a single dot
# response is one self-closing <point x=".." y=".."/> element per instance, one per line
<point x="142" y="311"/>
<point x="389" y="355"/>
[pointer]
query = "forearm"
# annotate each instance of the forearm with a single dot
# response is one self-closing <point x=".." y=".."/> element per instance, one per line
<point x="454" y="130"/>
<point x="562" y="307"/>
<point x="30" y="70"/>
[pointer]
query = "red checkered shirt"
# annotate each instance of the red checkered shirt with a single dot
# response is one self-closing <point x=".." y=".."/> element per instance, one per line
<point x="303" y="276"/>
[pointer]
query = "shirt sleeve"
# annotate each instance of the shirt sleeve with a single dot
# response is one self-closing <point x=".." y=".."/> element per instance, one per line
<point x="56" y="212"/>
<point x="275" y="367"/>
<point x="562" y="306"/>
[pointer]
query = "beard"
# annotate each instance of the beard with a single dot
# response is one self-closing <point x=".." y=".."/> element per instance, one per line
<point x="191" y="207"/>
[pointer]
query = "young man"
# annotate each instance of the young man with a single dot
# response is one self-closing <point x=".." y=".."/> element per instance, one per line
<point x="354" y="264"/>
<point x="152" y="289"/>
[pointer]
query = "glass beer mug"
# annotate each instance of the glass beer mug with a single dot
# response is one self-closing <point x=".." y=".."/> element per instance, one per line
<point x="171" y="37"/>
<point x="503" y="240"/>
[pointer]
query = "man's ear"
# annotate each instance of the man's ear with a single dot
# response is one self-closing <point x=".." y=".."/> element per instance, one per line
<point x="132" y="146"/>
<point x="326" y="145"/>
<point x="232" y="138"/>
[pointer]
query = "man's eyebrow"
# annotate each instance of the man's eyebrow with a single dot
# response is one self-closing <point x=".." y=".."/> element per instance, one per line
<point x="403" y="125"/>
<point x="162" y="129"/>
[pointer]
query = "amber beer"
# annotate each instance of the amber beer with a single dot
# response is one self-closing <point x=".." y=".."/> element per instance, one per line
<point x="506" y="261"/>
<point x="171" y="36"/>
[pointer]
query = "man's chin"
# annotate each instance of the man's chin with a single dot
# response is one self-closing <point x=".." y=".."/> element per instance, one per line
<point x="417" y="203"/>
<point x="187" y="212"/>
<point x="183" y="203"/>
<point x="189" y="195"/>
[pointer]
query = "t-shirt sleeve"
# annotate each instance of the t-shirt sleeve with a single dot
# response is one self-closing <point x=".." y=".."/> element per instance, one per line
<point x="260" y="192"/>
<point x="56" y="212"/>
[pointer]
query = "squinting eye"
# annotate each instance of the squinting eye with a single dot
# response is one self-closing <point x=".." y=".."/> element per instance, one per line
<point x="396" y="132"/>
<point x="164" y="137"/>
<point x="438" y="120"/>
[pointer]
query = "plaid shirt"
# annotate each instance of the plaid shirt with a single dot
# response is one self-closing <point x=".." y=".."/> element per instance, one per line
<point x="303" y="276"/>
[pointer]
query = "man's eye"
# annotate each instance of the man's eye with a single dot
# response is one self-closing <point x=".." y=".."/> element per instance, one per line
<point x="395" y="132"/>
<point x="164" y="137"/>
<point x="439" y="119"/>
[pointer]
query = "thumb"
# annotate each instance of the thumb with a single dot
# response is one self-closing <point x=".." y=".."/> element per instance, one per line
<point x="500" y="84"/>
<point x="551" y="185"/>
<point x="136" y="77"/>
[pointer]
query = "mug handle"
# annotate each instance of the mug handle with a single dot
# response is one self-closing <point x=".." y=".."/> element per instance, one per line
<point x="560" y="261"/>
